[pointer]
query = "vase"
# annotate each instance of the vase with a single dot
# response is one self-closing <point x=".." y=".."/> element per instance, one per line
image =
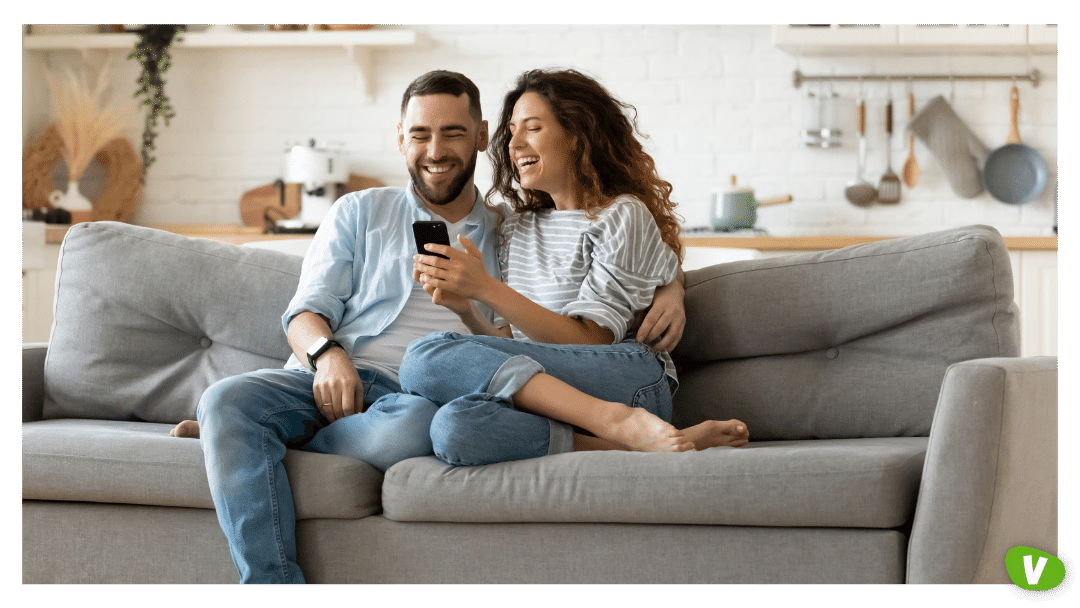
<point x="72" y="200"/>
<point x="81" y="209"/>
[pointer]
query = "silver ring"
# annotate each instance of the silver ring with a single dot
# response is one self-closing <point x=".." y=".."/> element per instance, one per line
<point x="328" y="404"/>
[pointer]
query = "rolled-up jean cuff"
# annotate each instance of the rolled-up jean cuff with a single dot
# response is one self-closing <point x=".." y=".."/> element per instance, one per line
<point x="562" y="438"/>
<point x="513" y="374"/>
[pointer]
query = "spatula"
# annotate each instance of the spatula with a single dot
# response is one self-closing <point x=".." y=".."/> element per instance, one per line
<point x="889" y="186"/>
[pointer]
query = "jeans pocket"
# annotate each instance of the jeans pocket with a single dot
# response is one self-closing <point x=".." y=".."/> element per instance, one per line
<point x="655" y="398"/>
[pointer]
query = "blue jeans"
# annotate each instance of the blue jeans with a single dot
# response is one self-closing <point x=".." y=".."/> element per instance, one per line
<point x="473" y="379"/>
<point x="246" y="422"/>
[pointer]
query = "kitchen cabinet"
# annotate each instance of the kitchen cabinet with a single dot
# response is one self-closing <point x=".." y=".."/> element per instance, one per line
<point x="880" y="39"/>
<point x="359" y="45"/>
<point x="967" y="35"/>
<point x="38" y="284"/>
<point x="1042" y="34"/>
<point x="1036" y="295"/>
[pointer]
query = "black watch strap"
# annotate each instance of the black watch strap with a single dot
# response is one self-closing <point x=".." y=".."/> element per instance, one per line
<point x="318" y="348"/>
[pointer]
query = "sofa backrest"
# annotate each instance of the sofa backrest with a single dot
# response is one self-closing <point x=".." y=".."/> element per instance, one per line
<point x="846" y="343"/>
<point x="146" y="320"/>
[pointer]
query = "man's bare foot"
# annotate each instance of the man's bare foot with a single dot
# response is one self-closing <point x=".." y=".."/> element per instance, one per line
<point x="715" y="433"/>
<point x="187" y="428"/>
<point x="641" y="431"/>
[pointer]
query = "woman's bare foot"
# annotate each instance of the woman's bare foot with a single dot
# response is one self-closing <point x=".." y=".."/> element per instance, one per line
<point x="715" y="433"/>
<point x="187" y="428"/>
<point x="641" y="431"/>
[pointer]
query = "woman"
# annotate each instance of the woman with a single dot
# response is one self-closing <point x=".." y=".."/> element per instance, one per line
<point x="587" y="245"/>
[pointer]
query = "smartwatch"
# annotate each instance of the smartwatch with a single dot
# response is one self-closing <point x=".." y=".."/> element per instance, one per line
<point x="319" y="347"/>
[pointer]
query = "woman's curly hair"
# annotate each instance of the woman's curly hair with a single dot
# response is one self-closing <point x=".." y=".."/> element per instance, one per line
<point x="609" y="158"/>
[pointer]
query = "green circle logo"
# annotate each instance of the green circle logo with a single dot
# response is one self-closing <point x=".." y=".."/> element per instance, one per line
<point x="1034" y="570"/>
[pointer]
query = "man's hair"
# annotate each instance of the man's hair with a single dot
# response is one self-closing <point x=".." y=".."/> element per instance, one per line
<point x="444" y="82"/>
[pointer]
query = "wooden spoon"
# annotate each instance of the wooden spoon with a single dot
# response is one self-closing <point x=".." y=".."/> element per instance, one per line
<point x="911" y="166"/>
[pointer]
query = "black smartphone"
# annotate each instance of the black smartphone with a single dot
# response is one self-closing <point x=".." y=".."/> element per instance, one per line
<point x="430" y="232"/>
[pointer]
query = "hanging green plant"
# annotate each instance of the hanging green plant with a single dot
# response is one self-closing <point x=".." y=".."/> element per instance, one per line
<point x="152" y="53"/>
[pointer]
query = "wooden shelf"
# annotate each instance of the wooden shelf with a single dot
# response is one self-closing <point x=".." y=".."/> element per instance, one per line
<point x="881" y="39"/>
<point x="358" y="44"/>
<point x="365" y="38"/>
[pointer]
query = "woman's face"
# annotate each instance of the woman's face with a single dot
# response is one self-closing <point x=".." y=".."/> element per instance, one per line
<point x="540" y="149"/>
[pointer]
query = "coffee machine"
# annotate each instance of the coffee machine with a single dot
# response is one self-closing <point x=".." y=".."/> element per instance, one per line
<point x="320" y="172"/>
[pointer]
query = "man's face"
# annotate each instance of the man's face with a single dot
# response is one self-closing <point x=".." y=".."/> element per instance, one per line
<point x="440" y="142"/>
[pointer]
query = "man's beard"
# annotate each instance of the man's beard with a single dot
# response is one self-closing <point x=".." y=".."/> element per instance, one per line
<point x="452" y="191"/>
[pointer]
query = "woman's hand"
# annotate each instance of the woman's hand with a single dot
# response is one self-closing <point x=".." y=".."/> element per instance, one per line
<point x="460" y="305"/>
<point x="463" y="274"/>
<point x="662" y="328"/>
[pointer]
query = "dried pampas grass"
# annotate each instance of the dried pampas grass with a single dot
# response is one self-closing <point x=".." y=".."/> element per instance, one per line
<point x="85" y="120"/>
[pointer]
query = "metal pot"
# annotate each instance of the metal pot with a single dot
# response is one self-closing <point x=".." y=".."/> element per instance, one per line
<point x="736" y="209"/>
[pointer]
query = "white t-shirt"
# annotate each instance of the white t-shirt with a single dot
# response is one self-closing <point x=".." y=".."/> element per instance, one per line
<point x="417" y="319"/>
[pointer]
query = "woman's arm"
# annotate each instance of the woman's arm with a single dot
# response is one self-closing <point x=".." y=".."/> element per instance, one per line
<point x="662" y="328"/>
<point x="464" y="274"/>
<point x="475" y="322"/>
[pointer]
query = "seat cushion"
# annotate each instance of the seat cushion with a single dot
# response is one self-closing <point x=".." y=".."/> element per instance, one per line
<point x="140" y="463"/>
<point x="868" y="483"/>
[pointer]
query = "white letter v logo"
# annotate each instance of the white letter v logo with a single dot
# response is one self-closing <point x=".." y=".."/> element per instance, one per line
<point x="1033" y="574"/>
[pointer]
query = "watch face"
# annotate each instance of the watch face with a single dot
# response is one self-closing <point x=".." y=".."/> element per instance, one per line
<point x="316" y="349"/>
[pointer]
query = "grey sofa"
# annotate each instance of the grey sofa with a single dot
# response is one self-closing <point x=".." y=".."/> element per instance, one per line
<point x="896" y="435"/>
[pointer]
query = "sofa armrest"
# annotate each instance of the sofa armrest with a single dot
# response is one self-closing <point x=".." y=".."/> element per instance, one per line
<point x="990" y="476"/>
<point x="33" y="380"/>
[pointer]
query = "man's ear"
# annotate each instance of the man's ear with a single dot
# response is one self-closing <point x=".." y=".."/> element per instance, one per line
<point x="482" y="140"/>
<point x="400" y="139"/>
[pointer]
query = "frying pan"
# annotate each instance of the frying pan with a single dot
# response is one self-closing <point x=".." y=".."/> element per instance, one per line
<point x="1015" y="173"/>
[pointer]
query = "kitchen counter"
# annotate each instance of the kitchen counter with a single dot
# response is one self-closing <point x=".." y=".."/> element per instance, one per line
<point x="820" y="243"/>
<point x="237" y="235"/>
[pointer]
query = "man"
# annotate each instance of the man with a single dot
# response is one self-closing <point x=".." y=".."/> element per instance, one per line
<point x="355" y="310"/>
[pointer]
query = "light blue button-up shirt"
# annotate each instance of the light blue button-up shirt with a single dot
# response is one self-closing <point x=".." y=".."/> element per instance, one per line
<point x="358" y="270"/>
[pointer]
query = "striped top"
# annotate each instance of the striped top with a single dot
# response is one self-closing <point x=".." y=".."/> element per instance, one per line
<point x="604" y="269"/>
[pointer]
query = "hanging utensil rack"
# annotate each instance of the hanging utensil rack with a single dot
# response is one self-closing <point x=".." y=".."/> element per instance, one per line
<point x="800" y="78"/>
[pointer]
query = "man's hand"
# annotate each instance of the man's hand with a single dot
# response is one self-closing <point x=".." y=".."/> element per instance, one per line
<point x="339" y="392"/>
<point x="663" y="326"/>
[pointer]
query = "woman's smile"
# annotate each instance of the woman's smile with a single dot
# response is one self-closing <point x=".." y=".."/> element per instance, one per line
<point x="540" y="149"/>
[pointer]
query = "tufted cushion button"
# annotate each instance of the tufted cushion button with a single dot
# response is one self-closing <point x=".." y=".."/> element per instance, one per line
<point x="205" y="342"/>
<point x="832" y="353"/>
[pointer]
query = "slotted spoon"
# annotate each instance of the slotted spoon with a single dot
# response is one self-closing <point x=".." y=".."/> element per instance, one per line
<point x="889" y="186"/>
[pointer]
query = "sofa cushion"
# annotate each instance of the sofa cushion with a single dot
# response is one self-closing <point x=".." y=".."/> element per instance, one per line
<point x="846" y="343"/>
<point x="139" y="463"/>
<point x="145" y="320"/>
<point x="867" y="483"/>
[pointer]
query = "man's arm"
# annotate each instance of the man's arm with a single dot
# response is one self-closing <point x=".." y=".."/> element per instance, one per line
<point x="663" y="326"/>
<point x="338" y="389"/>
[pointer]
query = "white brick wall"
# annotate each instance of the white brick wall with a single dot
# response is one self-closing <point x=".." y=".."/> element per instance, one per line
<point x="715" y="100"/>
